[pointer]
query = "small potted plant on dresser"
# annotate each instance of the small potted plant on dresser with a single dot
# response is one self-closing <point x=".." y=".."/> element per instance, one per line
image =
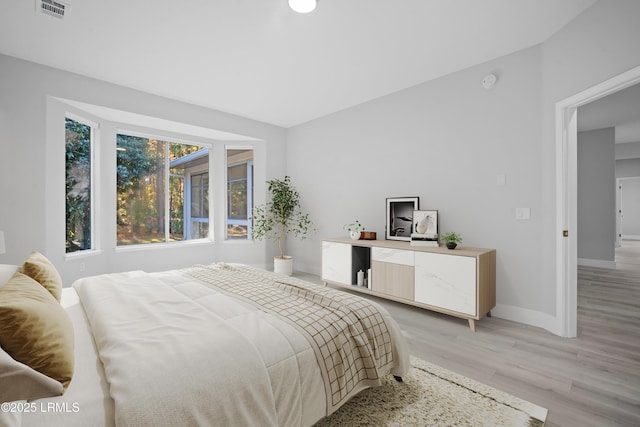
<point x="354" y="229"/>
<point x="281" y="216"/>
<point x="451" y="240"/>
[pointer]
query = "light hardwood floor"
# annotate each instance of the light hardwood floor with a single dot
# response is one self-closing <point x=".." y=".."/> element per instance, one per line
<point x="590" y="380"/>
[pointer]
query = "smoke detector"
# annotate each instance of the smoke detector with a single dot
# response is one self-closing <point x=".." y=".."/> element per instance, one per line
<point x="52" y="8"/>
<point x="489" y="80"/>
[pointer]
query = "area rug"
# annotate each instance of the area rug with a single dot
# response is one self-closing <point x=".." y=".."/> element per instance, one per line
<point x="433" y="396"/>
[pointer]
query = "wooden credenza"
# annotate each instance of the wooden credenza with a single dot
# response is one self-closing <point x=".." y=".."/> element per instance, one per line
<point x="460" y="282"/>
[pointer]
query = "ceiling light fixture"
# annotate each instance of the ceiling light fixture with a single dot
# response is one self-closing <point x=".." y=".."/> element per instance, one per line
<point x="303" y="6"/>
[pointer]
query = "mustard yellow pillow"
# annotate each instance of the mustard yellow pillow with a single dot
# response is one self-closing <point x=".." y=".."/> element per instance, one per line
<point x="35" y="329"/>
<point x="40" y="269"/>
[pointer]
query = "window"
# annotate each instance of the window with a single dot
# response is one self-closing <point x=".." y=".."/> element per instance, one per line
<point x="239" y="193"/>
<point x="156" y="180"/>
<point x="78" y="180"/>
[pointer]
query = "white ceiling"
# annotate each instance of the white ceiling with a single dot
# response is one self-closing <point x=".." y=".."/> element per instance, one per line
<point x="259" y="59"/>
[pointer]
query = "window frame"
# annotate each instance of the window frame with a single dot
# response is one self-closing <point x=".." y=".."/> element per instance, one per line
<point x="167" y="137"/>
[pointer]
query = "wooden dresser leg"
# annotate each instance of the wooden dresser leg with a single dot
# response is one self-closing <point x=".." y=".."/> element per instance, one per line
<point x="472" y="324"/>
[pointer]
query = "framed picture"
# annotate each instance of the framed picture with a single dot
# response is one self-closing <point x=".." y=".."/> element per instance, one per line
<point x="425" y="225"/>
<point x="400" y="217"/>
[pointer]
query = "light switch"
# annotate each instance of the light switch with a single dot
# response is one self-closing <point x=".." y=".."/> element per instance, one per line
<point x="523" y="213"/>
<point x="501" y="180"/>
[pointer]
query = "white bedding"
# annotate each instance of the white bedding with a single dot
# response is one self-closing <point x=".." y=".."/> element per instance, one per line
<point x="175" y="352"/>
<point x="197" y="355"/>
<point x="86" y="402"/>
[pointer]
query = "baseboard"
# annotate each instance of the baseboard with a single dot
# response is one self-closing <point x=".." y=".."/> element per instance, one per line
<point x="598" y="263"/>
<point x="526" y="316"/>
<point x="629" y="237"/>
<point x="306" y="268"/>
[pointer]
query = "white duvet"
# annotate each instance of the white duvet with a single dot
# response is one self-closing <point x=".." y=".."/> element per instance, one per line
<point x="178" y="353"/>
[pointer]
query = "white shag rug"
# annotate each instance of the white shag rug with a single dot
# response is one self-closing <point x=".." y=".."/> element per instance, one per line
<point x="433" y="396"/>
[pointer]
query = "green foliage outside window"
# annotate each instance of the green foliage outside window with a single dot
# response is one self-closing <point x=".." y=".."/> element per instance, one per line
<point x="142" y="190"/>
<point x="77" y="185"/>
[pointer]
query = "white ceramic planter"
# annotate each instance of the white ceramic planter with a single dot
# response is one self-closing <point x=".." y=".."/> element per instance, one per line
<point x="283" y="265"/>
<point x="355" y="235"/>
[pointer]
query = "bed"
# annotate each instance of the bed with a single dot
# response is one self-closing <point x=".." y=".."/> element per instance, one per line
<point x="220" y="344"/>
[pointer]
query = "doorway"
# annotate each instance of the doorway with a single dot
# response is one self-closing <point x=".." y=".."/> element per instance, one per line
<point x="566" y="196"/>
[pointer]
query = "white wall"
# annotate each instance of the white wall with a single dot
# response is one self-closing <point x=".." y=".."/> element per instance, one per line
<point x="627" y="168"/>
<point x="447" y="140"/>
<point x="630" y="150"/>
<point x="32" y="169"/>
<point x="596" y="198"/>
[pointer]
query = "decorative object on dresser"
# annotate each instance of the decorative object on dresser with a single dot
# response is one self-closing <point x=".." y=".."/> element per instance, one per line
<point x="460" y="283"/>
<point x="279" y="217"/>
<point x="425" y="228"/>
<point x="399" y="223"/>
<point x="355" y="229"/>
<point x="451" y="239"/>
<point x="368" y="235"/>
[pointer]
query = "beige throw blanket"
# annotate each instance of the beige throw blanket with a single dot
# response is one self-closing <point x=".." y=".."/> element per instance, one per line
<point x="349" y="334"/>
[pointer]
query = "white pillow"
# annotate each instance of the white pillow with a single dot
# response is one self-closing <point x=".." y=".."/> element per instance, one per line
<point x="6" y="272"/>
<point x="20" y="382"/>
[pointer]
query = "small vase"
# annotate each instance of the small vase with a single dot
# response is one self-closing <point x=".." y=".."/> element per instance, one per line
<point x="355" y="235"/>
<point x="452" y="245"/>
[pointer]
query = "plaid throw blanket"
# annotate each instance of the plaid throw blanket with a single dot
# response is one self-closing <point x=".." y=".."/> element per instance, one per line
<point x="349" y="335"/>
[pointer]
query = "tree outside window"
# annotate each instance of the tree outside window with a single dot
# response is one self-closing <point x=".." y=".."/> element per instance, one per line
<point x="151" y="195"/>
<point x="78" y="149"/>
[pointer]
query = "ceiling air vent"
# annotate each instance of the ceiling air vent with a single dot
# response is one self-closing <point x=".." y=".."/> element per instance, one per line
<point x="53" y="8"/>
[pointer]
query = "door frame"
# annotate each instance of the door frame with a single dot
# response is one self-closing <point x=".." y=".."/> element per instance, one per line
<point x="566" y="141"/>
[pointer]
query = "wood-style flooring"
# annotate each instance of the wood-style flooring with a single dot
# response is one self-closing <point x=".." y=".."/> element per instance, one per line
<point x="590" y="380"/>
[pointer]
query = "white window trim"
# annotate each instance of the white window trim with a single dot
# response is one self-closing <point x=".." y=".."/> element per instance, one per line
<point x="250" y="183"/>
<point x="187" y="202"/>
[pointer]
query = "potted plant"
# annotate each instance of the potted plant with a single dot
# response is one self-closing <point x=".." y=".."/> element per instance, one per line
<point x="451" y="239"/>
<point x="355" y="229"/>
<point x="279" y="217"/>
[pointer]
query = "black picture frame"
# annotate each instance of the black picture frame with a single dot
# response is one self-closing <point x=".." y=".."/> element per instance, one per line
<point x="399" y="223"/>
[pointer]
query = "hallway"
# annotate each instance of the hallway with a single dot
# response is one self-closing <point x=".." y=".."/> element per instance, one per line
<point x="628" y="255"/>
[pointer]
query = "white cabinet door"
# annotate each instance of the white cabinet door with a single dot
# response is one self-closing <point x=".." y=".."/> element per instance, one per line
<point x="446" y="281"/>
<point x="336" y="262"/>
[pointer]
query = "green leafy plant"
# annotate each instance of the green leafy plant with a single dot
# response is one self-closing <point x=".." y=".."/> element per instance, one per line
<point x="354" y="226"/>
<point x="282" y="215"/>
<point x="451" y="237"/>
